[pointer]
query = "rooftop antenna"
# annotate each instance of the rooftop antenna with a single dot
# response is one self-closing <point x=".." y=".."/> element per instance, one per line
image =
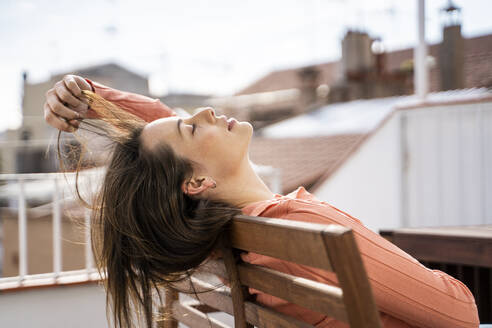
<point x="452" y="14"/>
<point x="420" y="77"/>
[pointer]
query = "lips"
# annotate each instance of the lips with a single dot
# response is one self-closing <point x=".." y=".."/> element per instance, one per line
<point x="230" y="123"/>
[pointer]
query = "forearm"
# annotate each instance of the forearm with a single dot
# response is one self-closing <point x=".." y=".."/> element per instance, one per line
<point x="144" y="107"/>
<point x="403" y="287"/>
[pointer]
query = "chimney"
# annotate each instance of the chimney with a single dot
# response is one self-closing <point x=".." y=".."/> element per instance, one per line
<point x="451" y="51"/>
<point x="309" y="83"/>
<point x="377" y="49"/>
<point x="357" y="57"/>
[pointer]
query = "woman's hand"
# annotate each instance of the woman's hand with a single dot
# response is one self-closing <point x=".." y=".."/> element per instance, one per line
<point x="65" y="105"/>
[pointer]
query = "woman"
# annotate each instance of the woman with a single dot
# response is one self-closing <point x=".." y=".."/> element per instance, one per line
<point x="173" y="184"/>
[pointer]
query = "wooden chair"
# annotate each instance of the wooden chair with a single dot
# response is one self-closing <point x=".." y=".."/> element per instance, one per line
<point x="329" y="247"/>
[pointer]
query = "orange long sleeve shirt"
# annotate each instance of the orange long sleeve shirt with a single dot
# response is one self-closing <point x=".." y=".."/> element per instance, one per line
<point x="406" y="292"/>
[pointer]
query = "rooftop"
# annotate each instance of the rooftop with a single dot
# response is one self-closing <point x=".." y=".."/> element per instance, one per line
<point x="302" y="160"/>
<point x="357" y="116"/>
<point x="310" y="147"/>
<point x="478" y="71"/>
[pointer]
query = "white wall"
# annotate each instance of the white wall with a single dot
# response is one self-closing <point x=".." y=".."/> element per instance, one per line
<point x="55" y="307"/>
<point x="425" y="167"/>
<point x="367" y="186"/>
<point x="81" y="306"/>
<point x="449" y="177"/>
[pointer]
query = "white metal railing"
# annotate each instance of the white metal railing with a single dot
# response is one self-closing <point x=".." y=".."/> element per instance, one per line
<point x="56" y="209"/>
<point x="271" y="176"/>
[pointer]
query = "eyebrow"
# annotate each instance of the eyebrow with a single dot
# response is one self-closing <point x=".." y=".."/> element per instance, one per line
<point x="179" y="130"/>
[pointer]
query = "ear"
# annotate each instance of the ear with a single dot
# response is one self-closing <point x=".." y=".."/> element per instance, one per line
<point x="197" y="185"/>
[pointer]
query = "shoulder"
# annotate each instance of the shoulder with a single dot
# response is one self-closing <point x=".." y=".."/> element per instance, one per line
<point x="305" y="204"/>
<point x="317" y="211"/>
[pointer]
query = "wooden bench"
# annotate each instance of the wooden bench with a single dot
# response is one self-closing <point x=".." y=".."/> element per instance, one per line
<point x="329" y="247"/>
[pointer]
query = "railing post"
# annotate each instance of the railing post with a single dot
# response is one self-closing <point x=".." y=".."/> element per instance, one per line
<point x="277" y="181"/>
<point x="22" y="232"/>
<point x="57" y="250"/>
<point x="88" y="249"/>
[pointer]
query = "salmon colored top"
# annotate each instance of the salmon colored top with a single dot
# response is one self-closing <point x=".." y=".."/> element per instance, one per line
<point x="146" y="108"/>
<point x="406" y="292"/>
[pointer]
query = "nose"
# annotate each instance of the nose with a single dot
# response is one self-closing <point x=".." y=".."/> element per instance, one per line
<point x="207" y="113"/>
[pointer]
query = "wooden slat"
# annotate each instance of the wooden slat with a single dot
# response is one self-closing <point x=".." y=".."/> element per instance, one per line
<point x="310" y="294"/>
<point x="235" y="285"/>
<point x="216" y="297"/>
<point x="293" y="241"/>
<point x="476" y="251"/>
<point x="488" y="309"/>
<point x="270" y="319"/>
<point x="194" y="318"/>
<point x="255" y="314"/>
<point x="216" y="267"/>
<point x="205" y="308"/>
<point x="313" y="295"/>
<point x="483" y="231"/>
<point x="171" y="296"/>
<point x="357" y="293"/>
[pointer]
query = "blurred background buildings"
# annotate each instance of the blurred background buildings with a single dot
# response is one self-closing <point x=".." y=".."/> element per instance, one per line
<point x="350" y="130"/>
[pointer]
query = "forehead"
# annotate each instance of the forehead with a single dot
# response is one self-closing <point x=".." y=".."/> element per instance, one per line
<point x="164" y="129"/>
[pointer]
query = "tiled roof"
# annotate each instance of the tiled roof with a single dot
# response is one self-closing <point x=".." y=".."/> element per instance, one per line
<point x="478" y="68"/>
<point x="287" y="79"/>
<point x="309" y="148"/>
<point x="359" y="116"/>
<point x="303" y="160"/>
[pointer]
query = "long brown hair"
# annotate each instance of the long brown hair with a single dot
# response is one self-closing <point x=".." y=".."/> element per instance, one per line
<point x="146" y="233"/>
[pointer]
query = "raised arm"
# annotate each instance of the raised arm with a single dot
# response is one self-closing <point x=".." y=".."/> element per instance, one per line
<point x="144" y="107"/>
<point x="64" y="104"/>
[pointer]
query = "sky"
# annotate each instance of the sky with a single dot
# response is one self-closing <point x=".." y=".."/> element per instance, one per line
<point x="211" y="47"/>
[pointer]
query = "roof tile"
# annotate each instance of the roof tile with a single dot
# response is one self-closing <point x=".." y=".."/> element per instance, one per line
<point x="303" y="160"/>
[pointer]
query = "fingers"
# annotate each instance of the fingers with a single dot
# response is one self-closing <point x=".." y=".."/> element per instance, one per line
<point x="75" y="84"/>
<point x="82" y="83"/>
<point x="59" y="108"/>
<point x="71" y="84"/>
<point x="65" y="105"/>
<point x="55" y="121"/>
<point x="65" y="95"/>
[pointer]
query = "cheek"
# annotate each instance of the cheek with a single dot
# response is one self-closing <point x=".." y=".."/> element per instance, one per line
<point x="219" y="150"/>
<point x="210" y="145"/>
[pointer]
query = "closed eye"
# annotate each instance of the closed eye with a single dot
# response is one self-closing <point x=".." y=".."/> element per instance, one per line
<point x="194" y="128"/>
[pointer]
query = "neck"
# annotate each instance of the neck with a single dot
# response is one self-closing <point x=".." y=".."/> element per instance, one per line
<point x="244" y="188"/>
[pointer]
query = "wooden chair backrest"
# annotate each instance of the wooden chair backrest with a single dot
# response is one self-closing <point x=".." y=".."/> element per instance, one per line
<point x="329" y="247"/>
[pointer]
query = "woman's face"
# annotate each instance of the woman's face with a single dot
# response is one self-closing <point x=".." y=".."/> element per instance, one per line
<point x="219" y="145"/>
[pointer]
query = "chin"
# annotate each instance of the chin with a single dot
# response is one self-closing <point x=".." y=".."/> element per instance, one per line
<point x="249" y="127"/>
<point x="246" y="135"/>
